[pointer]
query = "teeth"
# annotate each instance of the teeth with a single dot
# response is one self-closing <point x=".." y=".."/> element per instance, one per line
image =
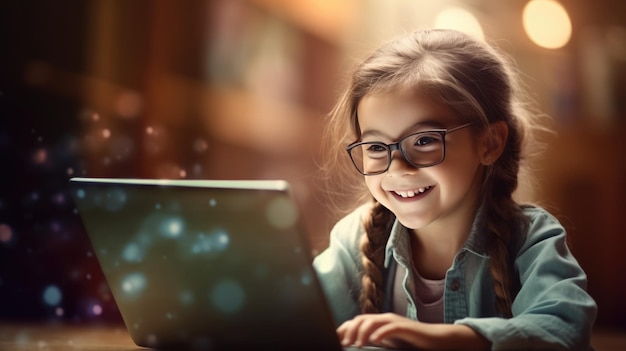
<point x="412" y="193"/>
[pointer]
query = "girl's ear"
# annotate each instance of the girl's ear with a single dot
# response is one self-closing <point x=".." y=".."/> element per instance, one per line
<point x="494" y="141"/>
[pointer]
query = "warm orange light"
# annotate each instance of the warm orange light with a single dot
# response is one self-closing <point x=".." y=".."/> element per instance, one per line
<point x="459" y="19"/>
<point x="547" y="23"/>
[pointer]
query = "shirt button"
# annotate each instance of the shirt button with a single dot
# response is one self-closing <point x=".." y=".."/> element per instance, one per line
<point x="461" y="256"/>
<point x="455" y="285"/>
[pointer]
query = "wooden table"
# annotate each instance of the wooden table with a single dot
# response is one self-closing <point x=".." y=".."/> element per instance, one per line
<point x="58" y="337"/>
<point x="53" y="337"/>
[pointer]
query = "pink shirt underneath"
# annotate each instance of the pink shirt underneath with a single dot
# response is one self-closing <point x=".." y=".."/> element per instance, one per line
<point x="428" y="296"/>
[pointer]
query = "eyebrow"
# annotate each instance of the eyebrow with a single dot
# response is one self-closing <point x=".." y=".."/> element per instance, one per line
<point x="430" y="124"/>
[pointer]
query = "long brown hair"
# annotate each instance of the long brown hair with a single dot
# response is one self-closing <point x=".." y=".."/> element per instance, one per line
<point x="478" y="83"/>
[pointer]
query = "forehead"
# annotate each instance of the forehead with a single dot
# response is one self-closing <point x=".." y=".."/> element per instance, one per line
<point x="393" y="114"/>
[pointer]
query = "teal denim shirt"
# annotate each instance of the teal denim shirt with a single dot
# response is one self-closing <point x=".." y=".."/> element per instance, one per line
<point x="552" y="309"/>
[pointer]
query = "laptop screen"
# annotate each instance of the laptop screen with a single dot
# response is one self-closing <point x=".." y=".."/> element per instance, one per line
<point x="206" y="264"/>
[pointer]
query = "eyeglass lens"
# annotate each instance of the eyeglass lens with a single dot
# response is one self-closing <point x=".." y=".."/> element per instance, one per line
<point x="421" y="149"/>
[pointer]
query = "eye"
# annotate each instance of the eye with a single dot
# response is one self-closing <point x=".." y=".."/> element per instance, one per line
<point x="376" y="148"/>
<point x="375" y="151"/>
<point x="425" y="140"/>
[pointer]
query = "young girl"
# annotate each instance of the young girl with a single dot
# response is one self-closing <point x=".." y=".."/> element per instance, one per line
<point x="442" y="256"/>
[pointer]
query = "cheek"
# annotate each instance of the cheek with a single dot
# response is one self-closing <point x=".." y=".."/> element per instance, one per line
<point x="458" y="177"/>
<point x="462" y="160"/>
<point x="460" y="163"/>
<point x="373" y="185"/>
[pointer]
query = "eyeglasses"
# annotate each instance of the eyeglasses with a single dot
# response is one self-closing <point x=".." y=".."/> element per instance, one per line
<point x="422" y="149"/>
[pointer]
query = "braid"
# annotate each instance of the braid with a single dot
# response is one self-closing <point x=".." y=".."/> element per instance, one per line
<point x="501" y="264"/>
<point x="377" y="230"/>
<point x="504" y="220"/>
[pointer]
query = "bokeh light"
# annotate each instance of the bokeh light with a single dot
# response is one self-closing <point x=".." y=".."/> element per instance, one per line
<point x="216" y="242"/>
<point x="80" y="193"/>
<point x="129" y="104"/>
<point x="6" y="233"/>
<point x="134" y="284"/>
<point x="40" y="156"/>
<point x="306" y="279"/>
<point x="52" y="295"/>
<point x="172" y="227"/>
<point x="155" y="140"/>
<point x="96" y="309"/>
<point x="200" y="145"/>
<point x="58" y="199"/>
<point x="133" y="253"/>
<point x="547" y="23"/>
<point x="228" y="296"/>
<point x="282" y="213"/>
<point x="459" y="19"/>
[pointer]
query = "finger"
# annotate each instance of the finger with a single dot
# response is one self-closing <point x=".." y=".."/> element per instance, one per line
<point x="347" y="331"/>
<point x="365" y="330"/>
<point x="342" y="331"/>
<point x="396" y="335"/>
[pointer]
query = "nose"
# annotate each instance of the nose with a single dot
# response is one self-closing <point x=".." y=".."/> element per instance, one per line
<point x="399" y="165"/>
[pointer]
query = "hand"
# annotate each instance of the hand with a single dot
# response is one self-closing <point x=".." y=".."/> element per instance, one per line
<point x="393" y="330"/>
<point x="388" y="329"/>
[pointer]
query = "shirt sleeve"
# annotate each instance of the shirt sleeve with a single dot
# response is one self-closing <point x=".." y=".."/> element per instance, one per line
<point x="552" y="309"/>
<point x="338" y="267"/>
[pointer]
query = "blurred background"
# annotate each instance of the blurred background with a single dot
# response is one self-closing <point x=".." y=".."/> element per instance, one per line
<point x="237" y="89"/>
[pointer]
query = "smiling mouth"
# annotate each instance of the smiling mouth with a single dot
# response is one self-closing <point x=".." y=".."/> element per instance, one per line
<point x="412" y="193"/>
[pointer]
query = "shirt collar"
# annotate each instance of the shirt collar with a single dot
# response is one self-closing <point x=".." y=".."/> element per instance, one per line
<point x="476" y="241"/>
<point x="399" y="239"/>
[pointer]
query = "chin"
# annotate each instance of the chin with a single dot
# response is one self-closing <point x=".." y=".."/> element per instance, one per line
<point x="412" y="218"/>
<point x="411" y="222"/>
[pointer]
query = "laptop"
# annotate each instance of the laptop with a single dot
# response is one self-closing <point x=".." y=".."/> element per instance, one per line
<point x="206" y="264"/>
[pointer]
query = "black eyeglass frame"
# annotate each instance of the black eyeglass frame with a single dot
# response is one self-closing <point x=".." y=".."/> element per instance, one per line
<point x="398" y="146"/>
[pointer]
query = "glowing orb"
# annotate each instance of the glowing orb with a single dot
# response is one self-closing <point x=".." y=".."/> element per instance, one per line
<point x="281" y="213"/>
<point x="228" y="297"/>
<point x="134" y="283"/>
<point x="547" y="23"/>
<point x="52" y="295"/>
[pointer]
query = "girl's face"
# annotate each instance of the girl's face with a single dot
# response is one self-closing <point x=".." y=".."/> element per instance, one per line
<point x="439" y="196"/>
